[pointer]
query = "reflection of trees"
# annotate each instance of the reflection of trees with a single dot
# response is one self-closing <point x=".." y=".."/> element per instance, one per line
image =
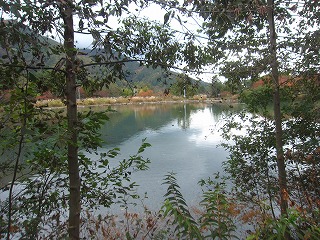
<point x="185" y="112"/>
<point x="217" y="110"/>
<point x="129" y="120"/>
<point x="183" y="117"/>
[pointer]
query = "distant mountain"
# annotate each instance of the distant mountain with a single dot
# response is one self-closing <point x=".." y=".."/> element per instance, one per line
<point x="156" y="79"/>
<point x="28" y="52"/>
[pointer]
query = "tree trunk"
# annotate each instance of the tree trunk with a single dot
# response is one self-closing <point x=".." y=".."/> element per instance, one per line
<point x="277" y="111"/>
<point x="73" y="165"/>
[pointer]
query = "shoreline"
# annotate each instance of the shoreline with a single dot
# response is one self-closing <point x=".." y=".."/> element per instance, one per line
<point x="117" y="101"/>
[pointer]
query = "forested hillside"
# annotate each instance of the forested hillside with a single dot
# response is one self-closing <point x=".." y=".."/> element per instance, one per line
<point x="139" y="76"/>
<point x="135" y="75"/>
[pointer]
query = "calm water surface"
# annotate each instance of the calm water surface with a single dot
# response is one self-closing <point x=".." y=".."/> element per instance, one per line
<point x="184" y="139"/>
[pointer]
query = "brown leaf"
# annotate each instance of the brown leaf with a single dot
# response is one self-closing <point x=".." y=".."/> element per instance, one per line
<point x="262" y="10"/>
<point x="237" y="11"/>
<point x="249" y="19"/>
<point x="294" y="8"/>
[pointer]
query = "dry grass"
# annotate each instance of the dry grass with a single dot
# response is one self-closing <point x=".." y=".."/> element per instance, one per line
<point x="102" y="101"/>
<point x="49" y="103"/>
<point x="108" y="101"/>
<point x="200" y="97"/>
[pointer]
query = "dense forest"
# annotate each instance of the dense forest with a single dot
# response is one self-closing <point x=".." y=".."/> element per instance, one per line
<point x="266" y="50"/>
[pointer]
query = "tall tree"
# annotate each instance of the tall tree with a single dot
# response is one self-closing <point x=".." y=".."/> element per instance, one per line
<point x="136" y="39"/>
<point x="239" y="28"/>
<point x="250" y="39"/>
<point x="277" y="109"/>
<point x="73" y="165"/>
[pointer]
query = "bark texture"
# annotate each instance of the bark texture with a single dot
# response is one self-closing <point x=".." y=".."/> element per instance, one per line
<point x="73" y="164"/>
<point x="277" y="111"/>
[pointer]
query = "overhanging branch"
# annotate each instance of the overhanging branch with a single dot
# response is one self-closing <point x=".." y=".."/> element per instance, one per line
<point x="144" y="61"/>
<point x="32" y="67"/>
<point x="184" y="69"/>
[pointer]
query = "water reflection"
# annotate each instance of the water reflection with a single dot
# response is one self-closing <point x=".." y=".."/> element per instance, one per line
<point x="184" y="139"/>
<point x="129" y="120"/>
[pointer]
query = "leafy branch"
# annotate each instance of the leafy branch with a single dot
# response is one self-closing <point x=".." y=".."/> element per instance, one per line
<point x="176" y="206"/>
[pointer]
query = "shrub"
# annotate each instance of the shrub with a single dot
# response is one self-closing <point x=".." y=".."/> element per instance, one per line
<point x="146" y="93"/>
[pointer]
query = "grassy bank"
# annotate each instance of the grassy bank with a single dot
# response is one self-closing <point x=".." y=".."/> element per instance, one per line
<point x="126" y="100"/>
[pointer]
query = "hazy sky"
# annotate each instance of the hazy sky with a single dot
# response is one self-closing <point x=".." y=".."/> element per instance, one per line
<point x="155" y="13"/>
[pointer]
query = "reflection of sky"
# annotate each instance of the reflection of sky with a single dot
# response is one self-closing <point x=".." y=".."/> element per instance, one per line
<point x="186" y="145"/>
<point x="205" y="129"/>
<point x="190" y="152"/>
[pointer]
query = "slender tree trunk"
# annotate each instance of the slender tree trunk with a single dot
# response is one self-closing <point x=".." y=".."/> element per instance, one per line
<point x="20" y="147"/>
<point x="277" y="111"/>
<point x="73" y="165"/>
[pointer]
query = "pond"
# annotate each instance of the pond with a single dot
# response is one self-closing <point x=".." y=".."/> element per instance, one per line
<point x="185" y="139"/>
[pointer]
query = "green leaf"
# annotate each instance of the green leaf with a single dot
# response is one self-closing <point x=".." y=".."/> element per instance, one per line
<point x="166" y="18"/>
<point x="81" y="24"/>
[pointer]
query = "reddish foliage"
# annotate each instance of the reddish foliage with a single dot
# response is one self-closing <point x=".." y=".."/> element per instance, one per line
<point x="147" y="93"/>
<point x="5" y="95"/>
<point x="283" y="80"/>
<point x="45" y="96"/>
<point x="101" y="93"/>
<point x="225" y="94"/>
